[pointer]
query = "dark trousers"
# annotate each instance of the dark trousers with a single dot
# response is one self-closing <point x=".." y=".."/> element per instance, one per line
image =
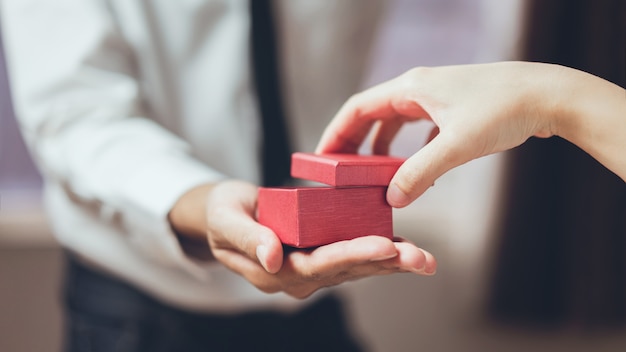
<point x="104" y="314"/>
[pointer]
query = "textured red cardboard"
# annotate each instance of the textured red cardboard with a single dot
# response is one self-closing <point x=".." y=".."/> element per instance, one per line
<point x="315" y="216"/>
<point x="345" y="169"/>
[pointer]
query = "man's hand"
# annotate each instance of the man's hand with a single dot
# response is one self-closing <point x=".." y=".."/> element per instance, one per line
<point x="254" y="251"/>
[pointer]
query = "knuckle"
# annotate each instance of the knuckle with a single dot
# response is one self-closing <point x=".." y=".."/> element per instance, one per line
<point x="353" y="105"/>
<point x="216" y="213"/>
<point x="301" y="292"/>
<point x="341" y="277"/>
<point x="414" y="77"/>
<point x="416" y="73"/>
<point x="408" y="181"/>
<point x="354" y="98"/>
<point x="313" y="276"/>
<point x="266" y="287"/>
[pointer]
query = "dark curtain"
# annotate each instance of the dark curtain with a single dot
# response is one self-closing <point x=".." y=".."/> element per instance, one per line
<point x="561" y="256"/>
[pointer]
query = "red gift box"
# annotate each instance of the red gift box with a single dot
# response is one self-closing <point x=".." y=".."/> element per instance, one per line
<point x="315" y="216"/>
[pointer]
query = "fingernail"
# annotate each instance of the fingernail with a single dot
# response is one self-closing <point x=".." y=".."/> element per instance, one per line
<point x="423" y="271"/>
<point x="430" y="272"/>
<point x="418" y="271"/>
<point x="395" y="197"/>
<point x="261" y="254"/>
<point x="385" y="257"/>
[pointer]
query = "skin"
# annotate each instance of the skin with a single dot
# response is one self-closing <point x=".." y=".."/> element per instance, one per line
<point x="480" y="110"/>
<point x="217" y="222"/>
<point x="477" y="109"/>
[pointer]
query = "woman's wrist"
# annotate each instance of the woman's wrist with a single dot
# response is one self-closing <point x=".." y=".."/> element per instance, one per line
<point x="591" y="114"/>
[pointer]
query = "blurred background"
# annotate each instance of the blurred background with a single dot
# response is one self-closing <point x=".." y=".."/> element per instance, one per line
<point x="525" y="263"/>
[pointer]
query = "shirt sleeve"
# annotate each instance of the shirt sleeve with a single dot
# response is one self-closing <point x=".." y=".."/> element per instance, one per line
<point x="77" y="98"/>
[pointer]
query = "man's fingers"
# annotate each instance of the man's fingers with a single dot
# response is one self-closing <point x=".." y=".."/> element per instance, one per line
<point x="306" y="271"/>
<point x="231" y="225"/>
<point x="338" y="256"/>
<point x="416" y="260"/>
<point x="357" y="258"/>
<point x="238" y="231"/>
<point x="364" y="256"/>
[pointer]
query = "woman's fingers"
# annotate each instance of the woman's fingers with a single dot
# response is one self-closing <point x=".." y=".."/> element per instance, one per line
<point x="384" y="135"/>
<point x="420" y="171"/>
<point x="351" y="125"/>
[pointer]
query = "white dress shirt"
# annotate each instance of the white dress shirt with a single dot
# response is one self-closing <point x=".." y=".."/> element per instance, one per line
<point x="127" y="104"/>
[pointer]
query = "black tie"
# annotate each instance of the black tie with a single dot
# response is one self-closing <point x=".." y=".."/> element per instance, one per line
<point x="276" y="152"/>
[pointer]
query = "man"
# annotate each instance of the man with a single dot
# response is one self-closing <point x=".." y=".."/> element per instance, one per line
<point x="144" y="120"/>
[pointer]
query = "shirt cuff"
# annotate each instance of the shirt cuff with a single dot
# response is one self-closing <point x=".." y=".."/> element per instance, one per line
<point x="148" y="197"/>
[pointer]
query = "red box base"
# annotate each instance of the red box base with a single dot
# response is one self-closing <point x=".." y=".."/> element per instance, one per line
<point x="311" y="217"/>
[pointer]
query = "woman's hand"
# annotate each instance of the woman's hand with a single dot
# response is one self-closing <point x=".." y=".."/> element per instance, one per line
<point x="480" y="110"/>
